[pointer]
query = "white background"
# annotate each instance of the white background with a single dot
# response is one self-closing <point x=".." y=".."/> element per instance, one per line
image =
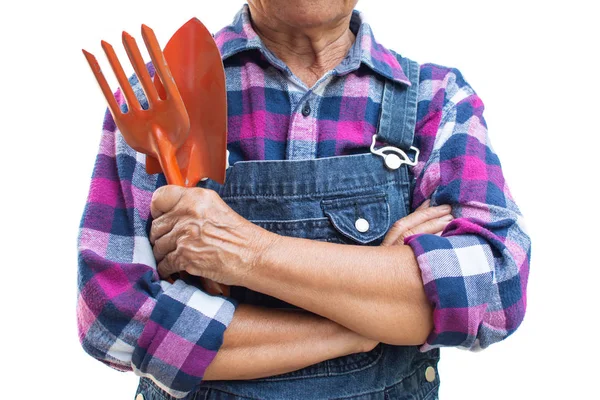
<point x="535" y="65"/>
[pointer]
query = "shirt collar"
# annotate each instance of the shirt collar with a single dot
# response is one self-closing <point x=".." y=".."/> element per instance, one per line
<point x="240" y="36"/>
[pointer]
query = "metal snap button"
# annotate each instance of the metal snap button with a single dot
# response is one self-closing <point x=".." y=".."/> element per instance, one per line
<point x="139" y="397"/>
<point x="362" y="225"/>
<point x="306" y="109"/>
<point x="392" y="161"/>
<point x="430" y="374"/>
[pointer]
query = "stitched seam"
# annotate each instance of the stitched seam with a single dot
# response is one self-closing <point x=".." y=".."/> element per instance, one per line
<point x="288" y="221"/>
<point x="299" y="196"/>
<point x="361" y="199"/>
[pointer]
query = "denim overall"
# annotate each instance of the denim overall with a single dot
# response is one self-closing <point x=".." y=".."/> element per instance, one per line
<point x="321" y="199"/>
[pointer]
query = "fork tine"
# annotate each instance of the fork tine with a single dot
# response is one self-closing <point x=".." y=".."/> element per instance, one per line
<point x="160" y="63"/>
<point x="113" y="106"/>
<point x="132" y="101"/>
<point x="139" y="66"/>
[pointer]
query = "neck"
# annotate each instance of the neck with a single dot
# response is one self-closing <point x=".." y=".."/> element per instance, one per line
<point x="310" y="51"/>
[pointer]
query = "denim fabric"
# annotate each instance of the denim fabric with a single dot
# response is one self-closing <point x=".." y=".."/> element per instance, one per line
<point x="321" y="199"/>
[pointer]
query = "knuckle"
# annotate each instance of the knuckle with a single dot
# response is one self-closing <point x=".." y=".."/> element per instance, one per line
<point x="190" y="231"/>
<point x="398" y="225"/>
<point x="156" y="224"/>
<point x="430" y="227"/>
<point x="429" y="212"/>
<point x="210" y="196"/>
<point x="184" y="233"/>
<point x="157" y="248"/>
<point x="199" y="193"/>
<point x="189" y="269"/>
<point x="182" y="241"/>
<point x="156" y="253"/>
<point x="176" y="256"/>
<point x="211" y="193"/>
<point x="189" y="194"/>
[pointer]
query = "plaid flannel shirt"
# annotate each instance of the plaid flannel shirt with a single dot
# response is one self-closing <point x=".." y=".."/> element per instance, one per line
<point x="475" y="273"/>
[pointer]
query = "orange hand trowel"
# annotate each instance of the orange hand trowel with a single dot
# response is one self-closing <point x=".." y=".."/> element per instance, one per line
<point x="195" y="63"/>
<point x="184" y="130"/>
<point x="196" y="67"/>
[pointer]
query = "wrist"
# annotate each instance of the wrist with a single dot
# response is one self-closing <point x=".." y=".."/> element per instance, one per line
<point x="262" y="244"/>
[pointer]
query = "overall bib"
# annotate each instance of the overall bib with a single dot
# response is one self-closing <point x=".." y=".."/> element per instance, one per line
<point x="322" y="199"/>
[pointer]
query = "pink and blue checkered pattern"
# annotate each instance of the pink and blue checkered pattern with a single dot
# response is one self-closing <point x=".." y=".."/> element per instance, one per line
<point x="127" y="317"/>
<point x="475" y="274"/>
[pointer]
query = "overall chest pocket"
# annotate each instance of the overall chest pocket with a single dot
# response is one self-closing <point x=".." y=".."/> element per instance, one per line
<point x="362" y="219"/>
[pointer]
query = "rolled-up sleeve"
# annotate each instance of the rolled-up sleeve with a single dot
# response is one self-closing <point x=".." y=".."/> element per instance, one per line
<point x="127" y="317"/>
<point x="475" y="274"/>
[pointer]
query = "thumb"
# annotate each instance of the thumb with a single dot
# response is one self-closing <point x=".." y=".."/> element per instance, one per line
<point x="164" y="199"/>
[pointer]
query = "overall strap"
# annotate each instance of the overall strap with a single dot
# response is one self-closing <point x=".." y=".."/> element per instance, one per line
<point x="399" y="108"/>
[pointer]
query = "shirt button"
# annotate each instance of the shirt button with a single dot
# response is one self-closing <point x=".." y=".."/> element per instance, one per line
<point x="430" y="374"/>
<point x="362" y="225"/>
<point x="306" y="109"/>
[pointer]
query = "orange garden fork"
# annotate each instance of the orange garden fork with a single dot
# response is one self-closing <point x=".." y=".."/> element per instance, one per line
<point x="162" y="129"/>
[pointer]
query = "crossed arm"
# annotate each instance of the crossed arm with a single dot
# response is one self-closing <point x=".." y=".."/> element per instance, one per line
<point x="357" y="296"/>
<point x="475" y="275"/>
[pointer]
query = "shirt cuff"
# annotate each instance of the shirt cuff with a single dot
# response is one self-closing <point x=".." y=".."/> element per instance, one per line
<point x="182" y="337"/>
<point x="457" y="273"/>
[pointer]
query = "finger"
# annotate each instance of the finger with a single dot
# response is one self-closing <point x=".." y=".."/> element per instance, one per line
<point x="162" y="226"/>
<point x="164" y="245"/>
<point x="419" y="216"/>
<point x="433" y="227"/>
<point x="164" y="199"/>
<point x="168" y="265"/>
<point x="424" y="205"/>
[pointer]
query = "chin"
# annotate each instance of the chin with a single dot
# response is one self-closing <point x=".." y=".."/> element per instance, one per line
<point x="309" y="13"/>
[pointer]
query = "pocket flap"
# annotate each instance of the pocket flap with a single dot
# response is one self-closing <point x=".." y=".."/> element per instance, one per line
<point x="345" y="212"/>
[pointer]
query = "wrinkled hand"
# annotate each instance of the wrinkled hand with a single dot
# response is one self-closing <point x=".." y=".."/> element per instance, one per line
<point x="195" y="231"/>
<point x="424" y="219"/>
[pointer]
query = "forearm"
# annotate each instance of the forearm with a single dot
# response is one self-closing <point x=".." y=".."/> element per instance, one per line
<point x="263" y="342"/>
<point x="374" y="291"/>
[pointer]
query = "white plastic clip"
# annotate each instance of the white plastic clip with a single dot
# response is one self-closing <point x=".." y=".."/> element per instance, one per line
<point x="395" y="157"/>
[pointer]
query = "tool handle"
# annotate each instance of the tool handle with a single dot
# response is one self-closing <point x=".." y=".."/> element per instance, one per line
<point x="167" y="157"/>
<point x="168" y="162"/>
